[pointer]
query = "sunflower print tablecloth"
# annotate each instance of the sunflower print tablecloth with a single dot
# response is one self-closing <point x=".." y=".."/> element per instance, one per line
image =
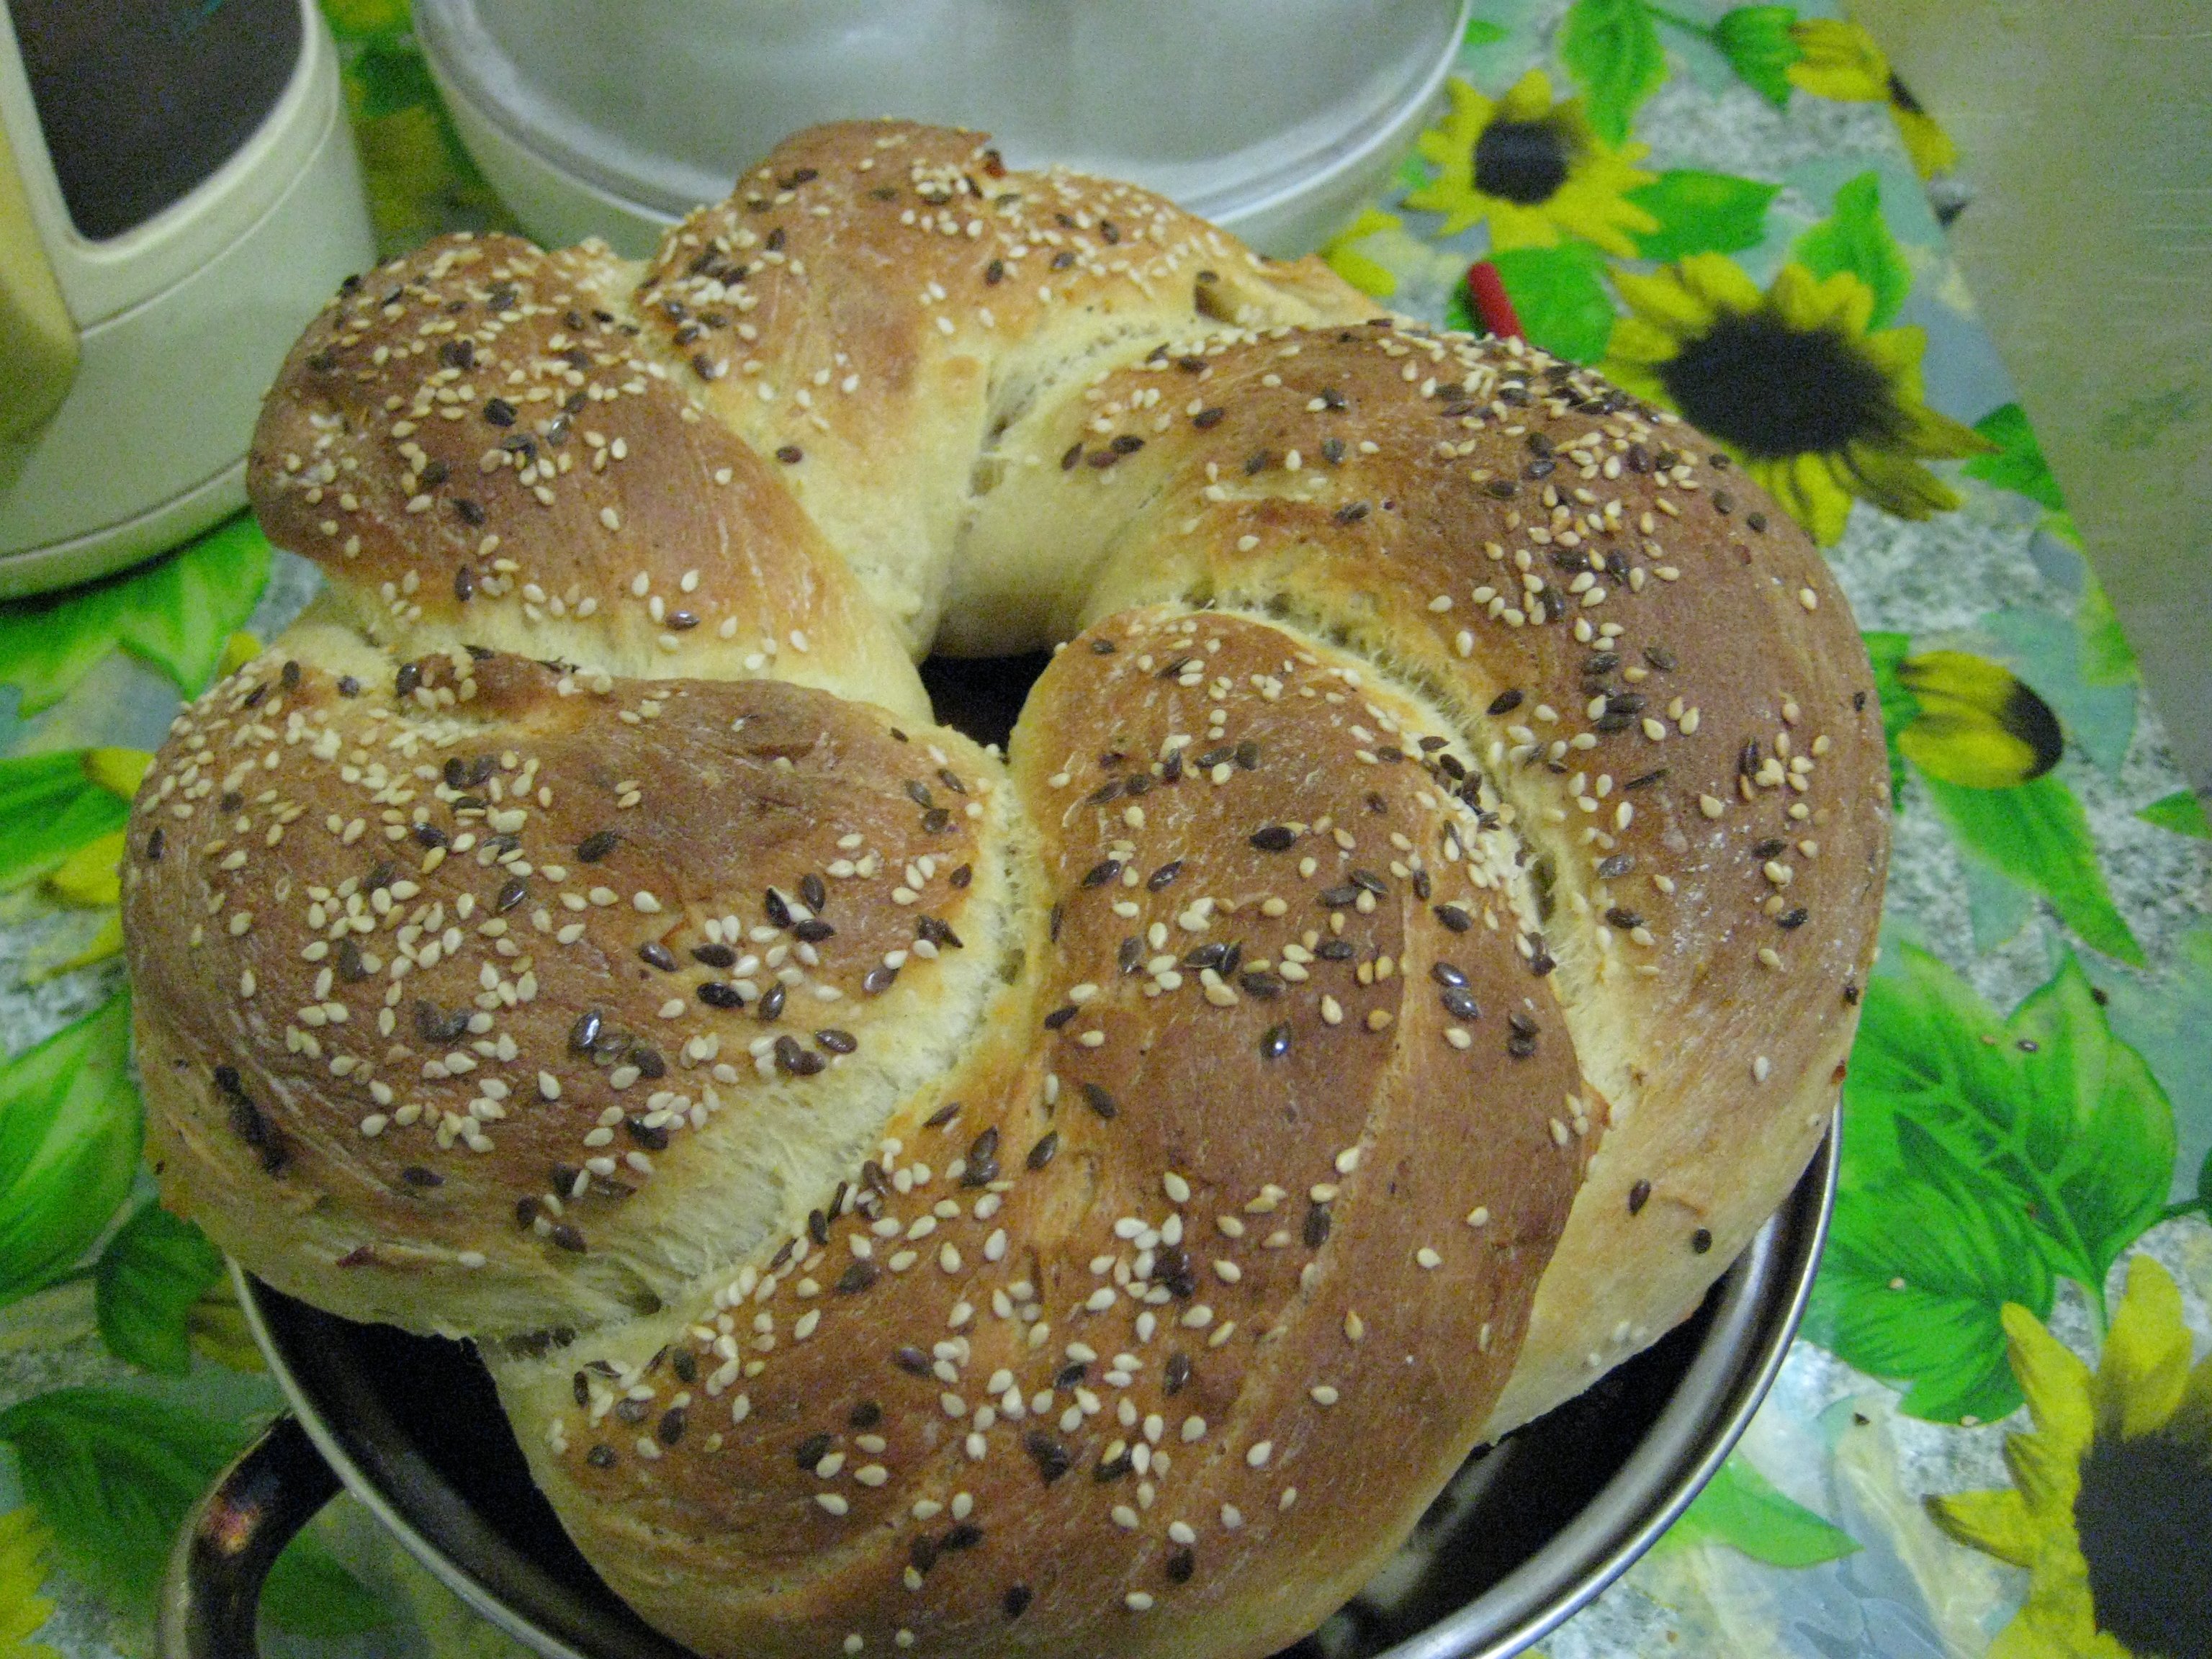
<point x="1994" y="1434"/>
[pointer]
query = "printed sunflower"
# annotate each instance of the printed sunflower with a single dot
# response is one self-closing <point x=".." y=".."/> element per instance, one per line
<point x="1793" y="384"/>
<point x="1841" y="61"/>
<point x="1532" y="169"/>
<point x="2111" y="1507"/>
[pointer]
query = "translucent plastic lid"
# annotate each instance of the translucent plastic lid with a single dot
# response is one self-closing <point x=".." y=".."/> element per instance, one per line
<point x="1216" y="103"/>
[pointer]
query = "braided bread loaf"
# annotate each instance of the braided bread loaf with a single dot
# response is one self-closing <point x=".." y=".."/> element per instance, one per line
<point x="1085" y="1204"/>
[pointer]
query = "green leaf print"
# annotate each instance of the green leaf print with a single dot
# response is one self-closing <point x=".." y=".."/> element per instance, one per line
<point x="2018" y="465"/>
<point x="1916" y="1276"/>
<point x="1559" y="294"/>
<point x="1855" y="238"/>
<point x="1612" y="49"/>
<point x="2107" y="659"/>
<point x="1885" y="651"/>
<point x="113" y="1474"/>
<point x="1481" y="31"/>
<point x="2037" y="834"/>
<point x="49" y="807"/>
<point x="2046" y="1119"/>
<point x="2018" y="462"/>
<point x="173" y="615"/>
<point x="1757" y="42"/>
<point x="391" y="77"/>
<point x="1703" y="213"/>
<point x="70" y="1129"/>
<point x="1741" y="1508"/>
<point x="2181" y="812"/>
<point x="150" y="1274"/>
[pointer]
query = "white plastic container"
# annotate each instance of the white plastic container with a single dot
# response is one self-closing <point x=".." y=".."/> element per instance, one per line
<point x="1273" y="118"/>
<point x="164" y="317"/>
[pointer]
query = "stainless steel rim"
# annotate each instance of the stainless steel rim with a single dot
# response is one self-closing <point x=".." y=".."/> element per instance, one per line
<point x="1736" y="1364"/>
<point x="1737" y="1360"/>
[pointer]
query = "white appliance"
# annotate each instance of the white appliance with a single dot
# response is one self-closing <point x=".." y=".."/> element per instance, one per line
<point x="179" y="195"/>
<point x="1275" y="118"/>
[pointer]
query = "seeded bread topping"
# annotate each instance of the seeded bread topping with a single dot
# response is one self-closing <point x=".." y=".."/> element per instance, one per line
<point x="913" y="1199"/>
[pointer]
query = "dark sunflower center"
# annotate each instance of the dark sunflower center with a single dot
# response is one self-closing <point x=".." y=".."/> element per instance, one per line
<point x="1771" y="390"/>
<point x="2145" y="1518"/>
<point x="1523" y="161"/>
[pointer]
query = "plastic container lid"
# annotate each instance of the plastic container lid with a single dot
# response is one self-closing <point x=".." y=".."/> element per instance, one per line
<point x="1236" y="109"/>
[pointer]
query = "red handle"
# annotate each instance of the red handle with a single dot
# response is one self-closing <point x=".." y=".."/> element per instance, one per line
<point x="1486" y="294"/>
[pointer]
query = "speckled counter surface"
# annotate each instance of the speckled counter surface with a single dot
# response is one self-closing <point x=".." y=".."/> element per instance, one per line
<point x="1652" y="185"/>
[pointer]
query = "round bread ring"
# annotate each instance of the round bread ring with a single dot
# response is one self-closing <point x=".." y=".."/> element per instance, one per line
<point x="1089" y="1203"/>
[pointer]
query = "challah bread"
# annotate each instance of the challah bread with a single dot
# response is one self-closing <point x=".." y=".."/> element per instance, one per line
<point x="1089" y="1203"/>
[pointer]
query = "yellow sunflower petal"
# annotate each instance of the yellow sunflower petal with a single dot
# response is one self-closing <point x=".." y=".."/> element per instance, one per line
<point x="237" y="650"/>
<point x="1665" y="302"/>
<point x="1808" y="303"/>
<point x="1593" y="205"/>
<point x="1925" y="140"/>
<point x="24" y="1611"/>
<point x="1637" y="341"/>
<point x="1995" y="1522"/>
<point x="2032" y="1637"/>
<point x="87" y="877"/>
<point x="1967" y="748"/>
<point x="1512" y="225"/>
<point x="1897" y="353"/>
<point x="1364" y="271"/>
<point x="1450" y="144"/>
<point x="2145" y="1365"/>
<point x="1631" y="375"/>
<point x="106" y="942"/>
<point x="1817" y="483"/>
<point x="1778" y="475"/>
<point x="1720" y="283"/>
<point x="118" y="771"/>
<point x="2048" y="1472"/>
<point x="1451" y="141"/>
<point x="1770" y="474"/>
<point x="1529" y="99"/>
<point x="1895" y="483"/>
<point x="1928" y="433"/>
<point x="1838" y="60"/>
<point x="2060" y="1608"/>
<point x="2054" y="1379"/>
<point x="2192" y="1417"/>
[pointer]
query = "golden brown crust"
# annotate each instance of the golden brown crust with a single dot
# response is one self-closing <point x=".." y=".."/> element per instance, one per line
<point x="1219" y="1154"/>
<point x="463" y="984"/>
<point x="1530" y="771"/>
<point x="892" y="300"/>
<point x="474" y="447"/>
<point x="1578" y="580"/>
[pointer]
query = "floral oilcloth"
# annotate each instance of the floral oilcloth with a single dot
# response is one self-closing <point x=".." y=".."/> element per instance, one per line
<point x="1995" y="1432"/>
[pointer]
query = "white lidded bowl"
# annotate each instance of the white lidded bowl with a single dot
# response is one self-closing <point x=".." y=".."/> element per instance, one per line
<point x="1273" y="118"/>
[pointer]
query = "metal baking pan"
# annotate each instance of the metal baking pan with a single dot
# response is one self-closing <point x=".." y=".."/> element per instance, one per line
<point x="1526" y="1533"/>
